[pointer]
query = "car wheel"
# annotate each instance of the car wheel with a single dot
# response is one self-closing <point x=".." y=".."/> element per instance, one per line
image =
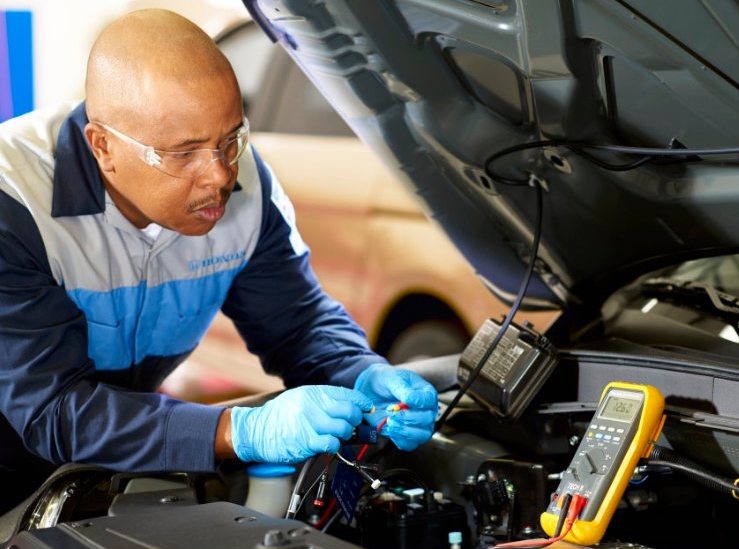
<point x="427" y="339"/>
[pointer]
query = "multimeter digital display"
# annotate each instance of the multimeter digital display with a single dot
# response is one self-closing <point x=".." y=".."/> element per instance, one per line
<point x="627" y="421"/>
<point x="620" y="408"/>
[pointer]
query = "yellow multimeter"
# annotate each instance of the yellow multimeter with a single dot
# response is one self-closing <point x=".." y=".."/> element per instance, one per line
<point x="626" y="423"/>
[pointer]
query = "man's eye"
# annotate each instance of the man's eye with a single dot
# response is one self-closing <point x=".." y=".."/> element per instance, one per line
<point x="180" y="158"/>
<point x="183" y="155"/>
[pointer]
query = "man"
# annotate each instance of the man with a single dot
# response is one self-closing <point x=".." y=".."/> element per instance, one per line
<point x="123" y="230"/>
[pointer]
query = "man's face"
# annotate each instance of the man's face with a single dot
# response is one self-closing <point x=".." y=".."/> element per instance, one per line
<point x="178" y="117"/>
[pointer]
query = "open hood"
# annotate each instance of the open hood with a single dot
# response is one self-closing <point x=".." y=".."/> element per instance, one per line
<point x="436" y="87"/>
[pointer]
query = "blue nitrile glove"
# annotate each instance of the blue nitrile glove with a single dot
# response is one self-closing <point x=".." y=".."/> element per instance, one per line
<point x="297" y="424"/>
<point x="387" y="385"/>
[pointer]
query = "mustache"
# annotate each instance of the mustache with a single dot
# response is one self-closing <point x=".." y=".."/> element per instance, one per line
<point x="220" y="198"/>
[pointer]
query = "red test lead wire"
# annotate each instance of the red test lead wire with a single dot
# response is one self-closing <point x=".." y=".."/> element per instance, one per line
<point x="577" y="503"/>
<point x="326" y="514"/>
<point x="393" y="408"/>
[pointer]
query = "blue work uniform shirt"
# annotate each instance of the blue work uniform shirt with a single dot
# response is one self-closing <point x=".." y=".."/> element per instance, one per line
<point x="94" y="313"/>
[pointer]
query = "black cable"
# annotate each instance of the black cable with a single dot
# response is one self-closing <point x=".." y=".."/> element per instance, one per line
<point x="509" y="317"/>
<point x="648" y="154"/>
<point x="576" y="148"/>
<point x="331" y="521"/>
<point x="660" y="151"/>
<point x="664" y="457"/>
<point x="564" y="509"/>
<point x="704" y="477"/>
<point x="487" y="166"/>
<point x="292" y="508"/>
<point x="608" y="166"/>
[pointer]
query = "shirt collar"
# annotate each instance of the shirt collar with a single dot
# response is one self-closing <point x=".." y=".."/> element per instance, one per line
<point x="78" y="186"/>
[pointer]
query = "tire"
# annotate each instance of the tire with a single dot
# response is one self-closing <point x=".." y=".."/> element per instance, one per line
<point x="427" y="339"/>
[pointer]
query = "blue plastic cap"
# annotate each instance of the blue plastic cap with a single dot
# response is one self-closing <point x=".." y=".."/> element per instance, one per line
<point x="455" y="537"/>
<point x="270" y="470"/>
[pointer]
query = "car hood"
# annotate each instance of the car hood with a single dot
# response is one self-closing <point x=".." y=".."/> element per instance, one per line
<point x="437" y="87"/>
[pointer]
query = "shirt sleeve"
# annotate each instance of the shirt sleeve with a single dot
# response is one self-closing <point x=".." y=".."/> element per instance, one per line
<point x="49" y="392"/>
<point x="281" y="311"/>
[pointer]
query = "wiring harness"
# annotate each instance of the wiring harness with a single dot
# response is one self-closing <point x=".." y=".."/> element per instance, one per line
<point x="329" y="515"/>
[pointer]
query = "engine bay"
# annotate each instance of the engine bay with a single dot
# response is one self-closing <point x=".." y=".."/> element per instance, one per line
<point x="483" y="478"/>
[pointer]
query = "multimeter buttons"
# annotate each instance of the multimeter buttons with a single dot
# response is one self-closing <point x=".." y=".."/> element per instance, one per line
<point x="627" y="421"/>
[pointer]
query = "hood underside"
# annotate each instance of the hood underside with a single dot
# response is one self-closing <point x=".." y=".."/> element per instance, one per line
<point x="438" y="86"/>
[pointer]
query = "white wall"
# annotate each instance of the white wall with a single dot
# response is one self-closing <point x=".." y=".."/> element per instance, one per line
<point x="64" y="31"/>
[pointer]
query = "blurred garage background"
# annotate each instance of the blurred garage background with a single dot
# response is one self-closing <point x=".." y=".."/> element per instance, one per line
<point x="373" y="249"/>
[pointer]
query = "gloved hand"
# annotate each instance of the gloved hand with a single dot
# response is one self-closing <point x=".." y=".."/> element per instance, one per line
<point x="297" y="424"/>
<point x="386" y="385"/>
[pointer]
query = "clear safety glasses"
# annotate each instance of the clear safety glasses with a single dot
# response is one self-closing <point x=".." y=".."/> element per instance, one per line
<point x="193" y="163"/>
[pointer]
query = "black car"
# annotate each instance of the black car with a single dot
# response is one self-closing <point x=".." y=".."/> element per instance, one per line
<point x="582" y="154"/>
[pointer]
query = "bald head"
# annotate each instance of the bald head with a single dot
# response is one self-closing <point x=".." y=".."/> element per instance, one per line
<point x="142" y="55"/>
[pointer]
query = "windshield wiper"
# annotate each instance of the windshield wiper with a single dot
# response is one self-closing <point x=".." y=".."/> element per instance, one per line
<point x="695" y="293"/>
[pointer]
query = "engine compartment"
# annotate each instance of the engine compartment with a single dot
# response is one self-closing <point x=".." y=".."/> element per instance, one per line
<point x="486" y="478"/>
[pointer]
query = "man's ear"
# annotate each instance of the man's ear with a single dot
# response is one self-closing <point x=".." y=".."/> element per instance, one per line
<point x="98" y="140"/>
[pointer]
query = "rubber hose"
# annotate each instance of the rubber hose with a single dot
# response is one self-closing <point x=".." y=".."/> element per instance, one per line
<point x="668" y="458"/>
